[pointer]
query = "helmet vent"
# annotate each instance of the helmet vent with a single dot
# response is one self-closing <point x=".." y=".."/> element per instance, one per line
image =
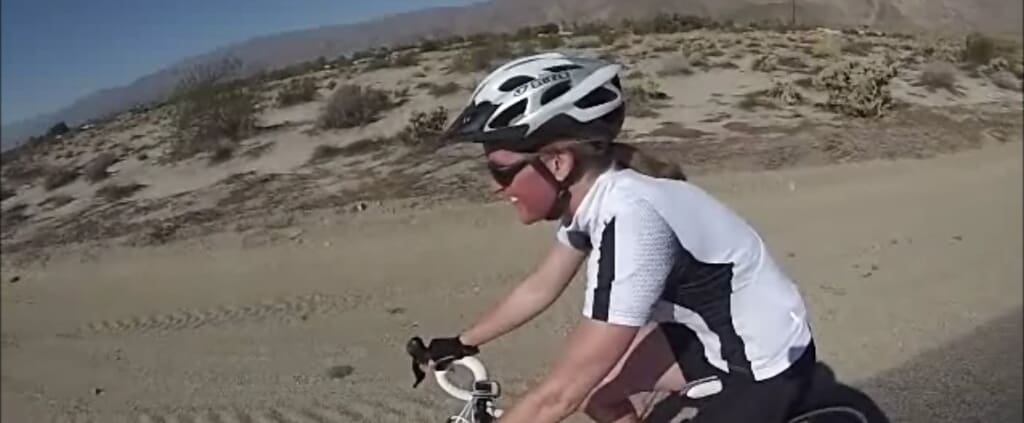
<point x="555" y="91"/>
<point x="503" y="119"/>
<point x="598" y="96"/>
<point x="513" y="82"/>
<point x="562" y="68"/>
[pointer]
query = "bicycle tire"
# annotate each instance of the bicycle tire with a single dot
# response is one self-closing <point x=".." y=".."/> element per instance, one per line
<point x="850" y="412"/>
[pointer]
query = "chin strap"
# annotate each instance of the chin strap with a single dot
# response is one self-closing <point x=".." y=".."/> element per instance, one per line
<point x="562" y="195"/>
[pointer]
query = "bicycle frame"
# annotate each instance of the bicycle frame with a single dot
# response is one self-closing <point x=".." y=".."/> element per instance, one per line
<point x="481" y="402"/>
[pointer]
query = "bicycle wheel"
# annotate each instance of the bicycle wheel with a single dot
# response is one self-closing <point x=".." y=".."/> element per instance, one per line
<point x="835" y="414"/>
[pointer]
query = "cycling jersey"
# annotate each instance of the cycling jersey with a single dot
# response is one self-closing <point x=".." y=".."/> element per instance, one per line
<point x="663" y="250"/>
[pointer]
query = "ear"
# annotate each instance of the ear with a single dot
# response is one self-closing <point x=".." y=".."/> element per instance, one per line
<point x="561" y="164"/>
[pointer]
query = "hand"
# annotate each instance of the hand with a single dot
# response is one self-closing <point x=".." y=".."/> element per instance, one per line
<point x="443" y="351"/>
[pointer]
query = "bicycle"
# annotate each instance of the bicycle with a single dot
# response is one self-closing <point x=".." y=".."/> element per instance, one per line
<point x="481" y="402"/>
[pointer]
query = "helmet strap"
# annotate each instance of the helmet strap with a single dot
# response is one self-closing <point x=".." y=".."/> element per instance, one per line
<point x="562" y="194"/>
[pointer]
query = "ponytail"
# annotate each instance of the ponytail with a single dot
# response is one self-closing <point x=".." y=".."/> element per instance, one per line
<point x="629" y="156"/>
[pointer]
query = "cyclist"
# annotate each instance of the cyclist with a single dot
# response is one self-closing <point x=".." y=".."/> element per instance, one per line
<point x="679" y="287"/>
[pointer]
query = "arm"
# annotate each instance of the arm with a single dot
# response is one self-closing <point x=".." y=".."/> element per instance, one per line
<point x="594" y="348"/>
<point x="642" y="248"/>
<point x="532" y="296"/>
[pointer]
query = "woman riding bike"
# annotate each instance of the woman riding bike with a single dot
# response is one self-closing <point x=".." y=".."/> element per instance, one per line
<point x="679" y="288"/>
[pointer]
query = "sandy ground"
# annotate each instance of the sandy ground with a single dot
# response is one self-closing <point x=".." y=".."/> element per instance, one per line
<point x="912" y="270"/>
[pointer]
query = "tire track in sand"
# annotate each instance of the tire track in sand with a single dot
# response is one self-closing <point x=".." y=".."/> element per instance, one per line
<point x="391" y="408"/>
<point x="290" y="308"/>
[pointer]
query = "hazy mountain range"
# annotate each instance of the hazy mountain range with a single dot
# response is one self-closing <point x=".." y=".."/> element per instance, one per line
<point x="274" y="50"/>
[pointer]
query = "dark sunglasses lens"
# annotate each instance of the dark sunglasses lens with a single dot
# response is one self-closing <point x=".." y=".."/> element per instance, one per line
<point x="504" y="175"/>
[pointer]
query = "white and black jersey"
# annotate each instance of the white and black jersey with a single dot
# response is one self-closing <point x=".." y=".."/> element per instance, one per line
<point x="664" y="250"/>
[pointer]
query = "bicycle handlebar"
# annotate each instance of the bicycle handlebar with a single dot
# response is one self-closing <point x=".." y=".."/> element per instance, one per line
<point x="418" y="350"/>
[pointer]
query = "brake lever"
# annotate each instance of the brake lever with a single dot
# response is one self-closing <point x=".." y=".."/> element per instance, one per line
<point x="418" y="350"/>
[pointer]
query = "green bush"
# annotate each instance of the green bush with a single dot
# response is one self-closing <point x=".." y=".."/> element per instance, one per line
<point x="856" y="88"/>
<point x="424" y="128"/>
<point x="210" y="105"/>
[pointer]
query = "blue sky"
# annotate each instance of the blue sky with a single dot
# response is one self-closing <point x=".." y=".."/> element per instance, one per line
<point x="55" y="51"/>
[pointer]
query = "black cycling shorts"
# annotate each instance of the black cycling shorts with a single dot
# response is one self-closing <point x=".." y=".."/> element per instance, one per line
<point x="742" y="399"/>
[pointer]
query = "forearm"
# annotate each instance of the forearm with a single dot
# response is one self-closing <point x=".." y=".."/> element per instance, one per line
<point x="525" y="302"/>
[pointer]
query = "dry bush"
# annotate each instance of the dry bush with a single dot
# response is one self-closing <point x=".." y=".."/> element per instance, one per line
<point x="765" y="63"/>
<point x="354" y="105"/>
<point x="58" y="177"/>
<point x="792" y="61"/>
<point x="827" y="47"/>
<point x="857" y="48"/>
<point x="424" y="128"/>
<point x="780" y="94"/>
<point x="938" y="75"/>
<point x="114" y="192"/>
<point x="1005" y="80"/>
<point x="856" y="88"/>
<point x="550" y="42"/>
<point x="300" y="90"/>
<point x="210" y="105"/>
<point x="406" y="59"/>
<point x="642" y="100"/>
<point x="978" y="49"/>
<point x="324" y="153"/>
<point x="480" y="58"/>
<point x="96" y="169"/>
<point x="673" y="66"/>
<point x="439" y="90"/>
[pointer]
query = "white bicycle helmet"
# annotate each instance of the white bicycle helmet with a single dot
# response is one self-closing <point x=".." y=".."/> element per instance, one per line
<point x="533" y="100"/>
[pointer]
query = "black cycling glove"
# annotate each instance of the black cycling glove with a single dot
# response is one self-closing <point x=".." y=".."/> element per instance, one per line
<point x="443" y="351"/>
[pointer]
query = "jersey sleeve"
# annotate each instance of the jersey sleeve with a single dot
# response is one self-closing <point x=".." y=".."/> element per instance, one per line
<point x="636" y="251"/>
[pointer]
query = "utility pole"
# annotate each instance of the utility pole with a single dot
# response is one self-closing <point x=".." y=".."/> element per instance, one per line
<point x="792" y="13"/>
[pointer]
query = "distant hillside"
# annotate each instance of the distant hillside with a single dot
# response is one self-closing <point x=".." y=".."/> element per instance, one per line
<point x="270" y="51"/>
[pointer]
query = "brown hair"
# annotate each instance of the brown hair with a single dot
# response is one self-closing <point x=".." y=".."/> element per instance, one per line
<point x="621" y="154"/>
<point x="630" y="156"/>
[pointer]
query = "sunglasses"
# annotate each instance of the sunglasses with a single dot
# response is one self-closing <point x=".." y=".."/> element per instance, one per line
<point x="505" y="174"/>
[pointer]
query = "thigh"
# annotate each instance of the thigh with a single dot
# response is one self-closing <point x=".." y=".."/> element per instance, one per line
<point x="650" y="364"/>
<point x="768" y="401"/>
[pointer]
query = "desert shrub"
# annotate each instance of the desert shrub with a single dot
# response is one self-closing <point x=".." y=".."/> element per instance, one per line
<point x="297" y="91"/>
<point x="439" y="90"/>
<point x="784" y="93"/>
<point x="354" y="105"/>
<point x="211" y="106"/>
<point x="221" y="153"/>
<point x="406" y="59"/>
<point x="673" y="66"/>
<point x="938" y="75"/>
<point x="58" y="177"/>
<point x="6" y="193"/>
<point x="791" y="61"/>
<point x="827" y="47"/>
<point x="424" y="128"/>
<point x="96" y="169"/>
<point x="780" y="94"/>
<point x="765" y="63"/>
<point x="856" y="88"/>
<point x="114" y="192"/>
<point x="479" y="58"/>
<point x="978" y="49"/>
<point x="550" y="42"/>
<point x="857" y="48"/>
<point x="59" y="128"/>
<point x="608" y="37"/>
<point x="324" y="153"/>
<point x="642" y="100"/>
<point x="1005" y="80"/>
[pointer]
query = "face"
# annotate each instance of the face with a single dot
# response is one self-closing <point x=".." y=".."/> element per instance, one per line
<point x="520" y="183"/>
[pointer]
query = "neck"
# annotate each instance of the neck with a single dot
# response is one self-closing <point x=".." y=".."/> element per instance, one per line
<point x="578" y="191"/>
